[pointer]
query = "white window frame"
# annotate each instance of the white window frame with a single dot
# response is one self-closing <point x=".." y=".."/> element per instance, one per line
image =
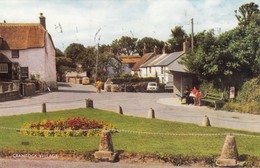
<point x="24" y="72"/>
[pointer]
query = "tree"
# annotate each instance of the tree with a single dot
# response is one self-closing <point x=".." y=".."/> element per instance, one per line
<point x="232" y="57"/>
<point x="178" y="36"/>
<point x="63" y="64"/>
<point x="76" y="52"/>
<point x="229" y="59"/>
<point x="125" y="45"/>
<point x="205" y="40"/>
<point x="248" y="13"/>
<point x="150" y="44"/>
<point x="88" y="60"/>
<point x="105" y="56"/>
<point x="84" y="57"/>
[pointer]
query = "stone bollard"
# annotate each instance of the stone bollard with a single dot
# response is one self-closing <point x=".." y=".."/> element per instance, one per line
<point x="89" y="103"/>
<point x="106" y="149"/>
<point x="229" y="154"/>
<point x="206" y="122"/>
<point x="151" y="113"/>
<point x="119" y="110"/>
<point x="44" y="108"/>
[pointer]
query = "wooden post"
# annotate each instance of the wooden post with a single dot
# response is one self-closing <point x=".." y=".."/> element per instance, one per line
<point x="89" y="103"/>
<point x="44" y="108"/>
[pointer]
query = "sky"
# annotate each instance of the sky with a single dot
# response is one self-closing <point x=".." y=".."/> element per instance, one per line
<point x="89" y="22"/>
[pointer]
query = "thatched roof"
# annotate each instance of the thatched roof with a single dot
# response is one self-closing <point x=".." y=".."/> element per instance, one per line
<point x="22" y="35"/>
<point x="145" y="58"/>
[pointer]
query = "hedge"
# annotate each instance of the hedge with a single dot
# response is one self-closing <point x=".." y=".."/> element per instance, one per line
<point x="122" y="80"/>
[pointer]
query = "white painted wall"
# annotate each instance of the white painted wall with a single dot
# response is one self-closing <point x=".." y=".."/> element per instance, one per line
<point x="162" y="75"/>
<point x="31" y="58"/>
<point x="50" y="75"/>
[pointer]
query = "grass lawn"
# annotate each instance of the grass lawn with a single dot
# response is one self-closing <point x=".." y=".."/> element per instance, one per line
<point x="207" y="146"/>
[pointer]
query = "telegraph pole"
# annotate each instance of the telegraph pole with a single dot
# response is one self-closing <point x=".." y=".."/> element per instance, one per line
<point x="192" y="35"/>
<point x="97" y="53"/>
<point x="97" y="61"/>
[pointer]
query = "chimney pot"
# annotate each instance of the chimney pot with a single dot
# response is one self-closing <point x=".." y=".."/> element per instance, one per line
<point x="42" y="20"/>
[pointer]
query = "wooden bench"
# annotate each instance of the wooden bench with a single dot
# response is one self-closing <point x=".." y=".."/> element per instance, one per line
<point x="213" y="99"/>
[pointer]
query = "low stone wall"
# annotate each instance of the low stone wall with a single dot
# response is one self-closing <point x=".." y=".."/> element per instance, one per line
<point x="6" y="86"/>
<point x="29" y="89"/>
<point x="115" y="88"/>
<point x="9" y="95"/>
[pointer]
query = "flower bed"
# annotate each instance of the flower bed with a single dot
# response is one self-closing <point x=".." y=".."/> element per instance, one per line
<point x="69" y="127"/>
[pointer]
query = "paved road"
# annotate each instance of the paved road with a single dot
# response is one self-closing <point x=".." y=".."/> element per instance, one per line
<point x="166" y="106"/>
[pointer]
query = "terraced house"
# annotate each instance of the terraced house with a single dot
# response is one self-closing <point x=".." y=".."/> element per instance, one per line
<point x="27" y="51"/>
<point x="167" y="68"/>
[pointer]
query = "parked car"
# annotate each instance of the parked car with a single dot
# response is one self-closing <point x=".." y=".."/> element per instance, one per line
<point x="168" y="87"/>
<point x="85" y="80"/>
<point x="152" y="87"/>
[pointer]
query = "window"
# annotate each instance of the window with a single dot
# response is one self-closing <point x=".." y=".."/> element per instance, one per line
<point x="15" y="53"/>
<point x="150" y="70"/>
<point x="161" y="69"/>
<point x="3" y="68"/>
<point x="24" y="72"/>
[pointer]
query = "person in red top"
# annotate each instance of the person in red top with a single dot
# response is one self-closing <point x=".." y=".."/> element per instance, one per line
<point x="194" y="91"/>
<point x="197" y="96"/>
<point x="194" y="94"/>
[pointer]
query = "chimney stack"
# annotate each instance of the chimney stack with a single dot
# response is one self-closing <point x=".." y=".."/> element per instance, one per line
<point x="144" y="50"/>
<point x="186" y="46"/>
<point x="42" y="20"/>
<point x="1" y="40"/>
<point x="165" y="48"/>
<point x="155" y="50"/>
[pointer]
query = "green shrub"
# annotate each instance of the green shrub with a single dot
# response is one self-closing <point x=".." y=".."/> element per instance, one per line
<point x="250" y="91"/>
<point x="248" y="98"/>
<point x="132" y="79"/>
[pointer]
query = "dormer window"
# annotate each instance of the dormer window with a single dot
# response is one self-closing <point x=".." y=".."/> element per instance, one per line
<point x="15" y="53"/>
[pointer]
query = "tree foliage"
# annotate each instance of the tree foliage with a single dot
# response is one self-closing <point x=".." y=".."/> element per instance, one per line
<point x="82" y="56"/>
<point x="233" y="56"/>
<point x="178" y="36"/>
<point x="63" y="64"/>
<point x="229" y="59"/>
<point x="125" y="45"/>
<point x="150" y="43"/>
<point x="76" y="52"/>
<point x="248" y="13"/>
